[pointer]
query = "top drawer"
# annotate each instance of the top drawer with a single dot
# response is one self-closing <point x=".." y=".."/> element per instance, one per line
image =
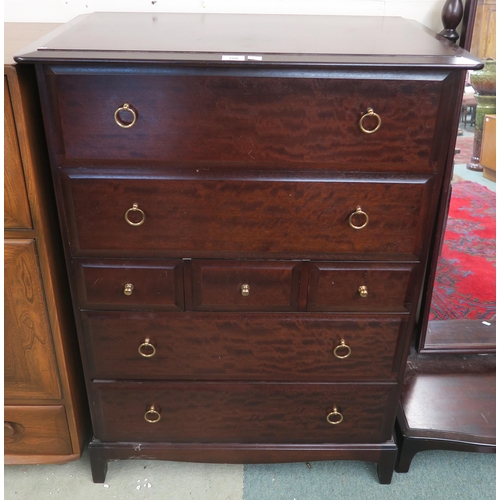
<point x="190" y="116"/>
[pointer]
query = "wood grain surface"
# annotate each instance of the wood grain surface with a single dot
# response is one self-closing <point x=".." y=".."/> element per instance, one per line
<point x="36" y="430"/>
<point x="242" y="412"/>
<point x="235" y="346"/>
<point x="187" y="118"/>
<point x="272" y="286"/>
<point x="190" y="218"/>
<point x="30" y="369"/>
<point x="156" y="284"/>
<point x="16" y="206"/>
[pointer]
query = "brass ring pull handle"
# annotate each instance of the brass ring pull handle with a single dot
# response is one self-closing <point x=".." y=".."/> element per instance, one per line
<point x="363" y="291"/>
<point x="147" y="349"/>
<point x="245" y="290"/>
<point x="120" y="122"/>
<point x="152" y="416"/>
<point x="356" y="214"/>
<point x="334" y="417"/>
<point x="128" y="289"/>
<point x="135" y="208"/>
<point x="341" y="347"/>
<point x="370" y="112"/>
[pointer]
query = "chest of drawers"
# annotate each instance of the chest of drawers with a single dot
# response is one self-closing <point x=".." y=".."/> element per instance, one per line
<point x="247" y="225"/>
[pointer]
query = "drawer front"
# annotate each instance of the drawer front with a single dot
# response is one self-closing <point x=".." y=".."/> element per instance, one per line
<point x="230" y="346"/>
<point x="243" y="413"/>
<point x="245" y="286"/>
<point x="348" y="287"/>
<point x="197" y="218"/>
<point x="36" y="430"/>
<point x="244" y="119"/>
<point x="135" y="284"/>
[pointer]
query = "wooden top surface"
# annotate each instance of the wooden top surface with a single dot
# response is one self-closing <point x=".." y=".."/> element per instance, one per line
<point x="247" y="38"/>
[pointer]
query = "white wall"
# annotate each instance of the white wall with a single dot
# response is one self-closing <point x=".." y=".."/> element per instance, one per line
<point x="427" y="12"/>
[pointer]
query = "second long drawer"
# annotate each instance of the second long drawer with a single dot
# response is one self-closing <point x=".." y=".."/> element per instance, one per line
<point x="251" y="346"/>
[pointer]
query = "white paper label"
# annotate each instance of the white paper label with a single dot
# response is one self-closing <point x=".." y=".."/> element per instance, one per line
<point x="233" y="58"/>
<point x="255" y="58"/>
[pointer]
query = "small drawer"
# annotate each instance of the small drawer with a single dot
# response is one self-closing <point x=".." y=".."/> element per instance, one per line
<point x="154" y="216"/>
<point x="250" y="346"/>
<point x="355" y="287"/>
<point x="36" y="430"/>
<point x="161" y="117"/>
<point x="204" y="412"/>
<point x="134" y="284"/>
<point x="245" y="285"/>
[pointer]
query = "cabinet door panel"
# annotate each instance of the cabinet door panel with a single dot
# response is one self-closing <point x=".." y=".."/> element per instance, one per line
<point x="16" y="208"/>
<point x="30" y="364"/>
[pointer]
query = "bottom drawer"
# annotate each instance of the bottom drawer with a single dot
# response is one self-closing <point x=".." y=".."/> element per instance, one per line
<point x="243" y="412"/>
<point x="36" y="430"/>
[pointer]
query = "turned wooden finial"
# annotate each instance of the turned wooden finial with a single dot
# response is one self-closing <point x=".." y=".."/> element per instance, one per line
<point x="451" y="16"/>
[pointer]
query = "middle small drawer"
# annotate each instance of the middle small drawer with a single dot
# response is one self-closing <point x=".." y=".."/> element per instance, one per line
<point x="246" y="285"/>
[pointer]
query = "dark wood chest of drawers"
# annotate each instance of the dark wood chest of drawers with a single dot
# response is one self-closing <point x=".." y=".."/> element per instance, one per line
<point x="247" y="227"/>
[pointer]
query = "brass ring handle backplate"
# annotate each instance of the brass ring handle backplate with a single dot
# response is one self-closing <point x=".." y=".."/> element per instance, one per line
<point x="147" y="349"/>
<point x="245" y="290"/>
<point x="120" y="122"/>
<point x="135" y="208"/>
<point x="334" y="417"/>
<point x="363" y="291"/>
<point x="128" y="289"/>
<point x="370" y="112"/>
<point x="342" y="347"/>
<point x="152" y="416"/>
<point x="356" y="214"/>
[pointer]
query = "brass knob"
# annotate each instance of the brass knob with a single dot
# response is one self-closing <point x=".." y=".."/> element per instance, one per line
<point x="363" y="291"/>
<point x="147" y="349"/>
<point x="245" y="290"/>
<point x="128" y="289"/>
<point x="135" y="208"/>
<point x="152" y="416"/>
<point x="342" y="347"/>
<point x="128" y="108"/>
<point x="334" y="417"/>
<point x="355" y="215"/>
<point x="370" y="112"/>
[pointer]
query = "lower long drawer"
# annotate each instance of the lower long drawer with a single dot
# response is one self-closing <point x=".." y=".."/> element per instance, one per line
<point x="250" y="346"/>
<point x="243" y="412"/>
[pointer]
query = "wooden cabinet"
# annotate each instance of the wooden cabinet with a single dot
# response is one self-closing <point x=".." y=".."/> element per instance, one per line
<point x="488" y="158"/>
<point x="45" y="407"/>
<point x="247" y="237"/>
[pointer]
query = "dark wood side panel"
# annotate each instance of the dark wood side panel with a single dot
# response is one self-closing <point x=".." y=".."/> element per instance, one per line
<point x="243" y="412"/>
<point x="230" y="346"/>
<point x="190" y="218"/>
<point x="244" y="119"/>
<point x="30" y="369"/>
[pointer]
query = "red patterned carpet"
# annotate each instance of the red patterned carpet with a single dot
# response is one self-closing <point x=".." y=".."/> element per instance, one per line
<point x="465" y="280"/>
